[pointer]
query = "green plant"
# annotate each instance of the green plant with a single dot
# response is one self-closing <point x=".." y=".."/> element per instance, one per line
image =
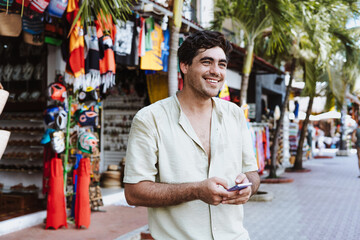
<point x="90" y="9"/>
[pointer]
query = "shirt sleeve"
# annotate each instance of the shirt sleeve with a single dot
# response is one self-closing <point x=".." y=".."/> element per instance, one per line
<point x="141" y="154"/>
<point x="248" y="156"/>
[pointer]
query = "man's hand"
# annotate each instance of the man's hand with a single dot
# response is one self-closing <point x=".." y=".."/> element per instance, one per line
<point x="239" y="196"/>
<point x="213" y="191"/>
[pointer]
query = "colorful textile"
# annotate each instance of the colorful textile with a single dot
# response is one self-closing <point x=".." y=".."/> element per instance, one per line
<point x="56" y="209"/>
<point x="260" y="151"/>
<point x="152" y="58"/>
<point x="92" y="58"/>
<point x="39" y="5"/>
<point x="141" y="46"/>
<point x="82" y="204"/>
<point x="33" y="25"/>
<point x="48" y="155"/>
<point x="106" y="32"/>
<point x="149" y="28"/>
<point x="75" y="175"/>
<point x="57" y="8"/>
<point x="224" y="93"/>
<point x="76" y="62"/>
<point x="165" y="50"/>
<point x="157" y="85"/>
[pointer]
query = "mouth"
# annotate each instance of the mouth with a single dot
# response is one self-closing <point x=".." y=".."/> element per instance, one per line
<point x="212" y="81"/>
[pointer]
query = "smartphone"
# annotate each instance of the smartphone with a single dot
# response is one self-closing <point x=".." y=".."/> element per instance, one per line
<point x="239" y="186"/>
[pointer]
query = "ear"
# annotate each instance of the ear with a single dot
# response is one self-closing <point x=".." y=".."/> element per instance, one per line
<point x="184" y="67"/>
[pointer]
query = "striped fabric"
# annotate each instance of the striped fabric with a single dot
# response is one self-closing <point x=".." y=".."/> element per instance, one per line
<point x="39" y="5"/>
<point x="33" y="25"/>
<point x="6" y="2"/>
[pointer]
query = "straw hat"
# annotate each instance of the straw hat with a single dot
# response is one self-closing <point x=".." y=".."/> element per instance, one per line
<point x="10" y="24"/>
<point x="3" y="98"/>
<point x="4" y="138"/>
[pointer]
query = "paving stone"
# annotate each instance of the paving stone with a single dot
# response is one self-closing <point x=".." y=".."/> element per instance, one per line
<point x="319" y="205"/>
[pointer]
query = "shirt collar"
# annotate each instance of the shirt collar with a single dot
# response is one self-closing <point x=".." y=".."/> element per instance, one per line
<point x="216" y="108"/>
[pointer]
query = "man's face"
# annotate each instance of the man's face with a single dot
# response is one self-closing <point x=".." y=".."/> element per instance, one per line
<point x="205" y="76"/>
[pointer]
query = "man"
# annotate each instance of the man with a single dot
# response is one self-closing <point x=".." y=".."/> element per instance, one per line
<point x="356" y="140"/>
<point x="185" y="151"/>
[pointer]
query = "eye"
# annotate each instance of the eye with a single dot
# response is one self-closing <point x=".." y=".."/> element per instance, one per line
<point x="206" y="62"/>
<point x="223" y="65"/>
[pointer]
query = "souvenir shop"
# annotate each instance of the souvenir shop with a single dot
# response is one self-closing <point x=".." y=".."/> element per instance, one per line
<point x="70" y="103"/>
<point x="71" y="100"/>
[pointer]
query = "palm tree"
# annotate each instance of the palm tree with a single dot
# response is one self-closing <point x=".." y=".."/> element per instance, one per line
<point x="343" y="73"/>
<point x="174" y="45"/>
<point x="253" y="19"/>
<point x="324" y="29"/>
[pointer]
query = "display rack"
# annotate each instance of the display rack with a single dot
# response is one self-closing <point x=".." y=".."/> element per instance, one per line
<point x="117" y="118"/>
<point x="24" y="153"/>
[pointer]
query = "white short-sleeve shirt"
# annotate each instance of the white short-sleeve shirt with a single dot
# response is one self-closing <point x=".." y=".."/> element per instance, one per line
<point x="163" y="147"/>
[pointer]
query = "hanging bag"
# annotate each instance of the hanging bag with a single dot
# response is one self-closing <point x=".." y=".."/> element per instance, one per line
<point x="57" y="8"/>
<point x="10" y="24"/>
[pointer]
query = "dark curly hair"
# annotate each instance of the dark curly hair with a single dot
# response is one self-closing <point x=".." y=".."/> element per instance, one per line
<point x="202" y="40"/>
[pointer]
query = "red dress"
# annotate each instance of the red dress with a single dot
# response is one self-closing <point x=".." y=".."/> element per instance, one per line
<point x="82" y="202"/>
<point x="56" y="208"/>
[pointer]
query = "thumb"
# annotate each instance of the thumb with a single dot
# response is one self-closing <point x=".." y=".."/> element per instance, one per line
<point x="241" y="178"/>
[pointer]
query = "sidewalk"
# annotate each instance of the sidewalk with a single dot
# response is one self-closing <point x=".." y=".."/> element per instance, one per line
<point x="319" y="205"/>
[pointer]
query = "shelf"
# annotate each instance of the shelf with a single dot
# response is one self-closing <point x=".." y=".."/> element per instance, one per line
<point x="21" y="171"/>
<point x="38" y="106"/>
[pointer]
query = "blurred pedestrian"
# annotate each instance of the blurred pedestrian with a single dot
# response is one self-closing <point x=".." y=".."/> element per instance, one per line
<point x="356" y="140"/>
<point x="186" y="151"/>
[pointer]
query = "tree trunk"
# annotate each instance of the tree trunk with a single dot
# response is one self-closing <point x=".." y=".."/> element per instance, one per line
<point x="274" y="147"/>
<point x="342" y="142"/>
<point x="174" y="45"/>
<point x="173" y="61"/>
<point x="299" y="152"/>
<point x="246" y="73"/>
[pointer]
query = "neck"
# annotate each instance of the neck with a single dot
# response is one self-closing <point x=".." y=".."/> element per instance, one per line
<point x="193" y="103"/>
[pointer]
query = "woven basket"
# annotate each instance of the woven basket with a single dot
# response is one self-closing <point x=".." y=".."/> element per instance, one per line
<point x="10" y="24"/>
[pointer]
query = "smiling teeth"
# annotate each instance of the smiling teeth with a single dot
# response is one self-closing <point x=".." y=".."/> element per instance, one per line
<point x="213" y="81"/>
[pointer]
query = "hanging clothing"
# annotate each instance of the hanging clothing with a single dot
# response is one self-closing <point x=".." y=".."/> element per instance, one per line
<point x="56" y="209"/>
<point x="149" y="28"/>
<point x="165" y="50"/>
<point x="157" y="85"/>
<point x="47" y="156"/>
<point x="152" y="58"/>
<point x="126" y="42"/>
<point x="106" y="32"/>
<point x="141" y="46"/>
<point x="75" y="175"/>
<point x="82" y="204"/>
<point x="75" y="68"/>
<point x="92" y="58"/>
<point x="267" y="143"/>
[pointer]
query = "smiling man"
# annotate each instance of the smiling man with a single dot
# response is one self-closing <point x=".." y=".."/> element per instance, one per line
<point x="186" y="151"/>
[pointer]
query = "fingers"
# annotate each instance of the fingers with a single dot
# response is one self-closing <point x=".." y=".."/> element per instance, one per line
<point x="238" y="197"/>
<point x="241" y="178"/>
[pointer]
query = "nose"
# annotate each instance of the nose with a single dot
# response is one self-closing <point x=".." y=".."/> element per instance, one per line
<point x="215" y="70"/>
